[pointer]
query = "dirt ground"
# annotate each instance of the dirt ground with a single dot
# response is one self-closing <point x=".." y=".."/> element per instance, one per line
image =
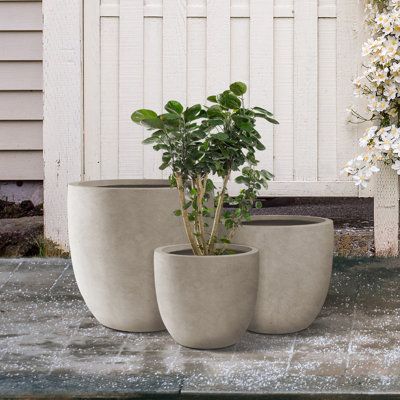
<point x="346" y="212"/>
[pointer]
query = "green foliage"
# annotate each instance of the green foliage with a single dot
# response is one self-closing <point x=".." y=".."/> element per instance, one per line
<point x="203" y="141"/>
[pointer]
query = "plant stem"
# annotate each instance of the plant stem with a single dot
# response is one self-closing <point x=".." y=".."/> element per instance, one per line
<point x="197" y="229"/>
<point x="217" y="217"/>
<point x="201" y="189"/>
<point x="185" y="216"/>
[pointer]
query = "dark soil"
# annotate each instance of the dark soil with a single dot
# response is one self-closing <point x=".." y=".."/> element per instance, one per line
<point x="21" y="237"/>
<point x="21" y="229"/>
<point x="346" y="212"/>
<point x="18" y="210"/>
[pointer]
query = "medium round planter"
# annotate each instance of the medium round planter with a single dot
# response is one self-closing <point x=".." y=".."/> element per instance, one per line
<point x="206" y="302"/>
<point x="114" y="227"/>
<point x="295" y="270"/>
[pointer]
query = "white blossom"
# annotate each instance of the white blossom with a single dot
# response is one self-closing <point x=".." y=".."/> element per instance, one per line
<point x="380" y="85"/>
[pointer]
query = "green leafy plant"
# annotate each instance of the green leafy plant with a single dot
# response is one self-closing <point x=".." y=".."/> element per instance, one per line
<point x="201" y="144"/>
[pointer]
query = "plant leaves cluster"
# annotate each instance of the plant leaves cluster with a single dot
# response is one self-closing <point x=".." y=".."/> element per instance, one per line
<point x="202" y="144"/>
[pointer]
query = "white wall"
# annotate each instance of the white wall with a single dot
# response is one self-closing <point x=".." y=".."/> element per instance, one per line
<point x="21" y="99"/>
<point x="63" y="105"/>
<point x="299" y="57"/>
<point x="142" y="52"/>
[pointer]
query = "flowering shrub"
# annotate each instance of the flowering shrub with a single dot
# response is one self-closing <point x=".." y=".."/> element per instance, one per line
<point x="380" y="85"/>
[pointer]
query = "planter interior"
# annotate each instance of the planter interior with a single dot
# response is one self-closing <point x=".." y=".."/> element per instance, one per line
<point x="282" y="222"/>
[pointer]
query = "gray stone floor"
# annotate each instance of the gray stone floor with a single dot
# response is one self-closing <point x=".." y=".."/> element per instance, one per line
<point x="51" y="346"/>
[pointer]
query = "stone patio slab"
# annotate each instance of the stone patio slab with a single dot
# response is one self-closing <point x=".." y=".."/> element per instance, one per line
<point x="52" y="347"/>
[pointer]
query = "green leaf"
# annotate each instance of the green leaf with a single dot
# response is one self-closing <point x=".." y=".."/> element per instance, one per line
<point x="212" y="99"/>
<point x="220" y="136"/>
<point x="215" y="112"/>
<point x="174" y="106"/>
<point x="229" y="100"/>
<point x="272" y="120"/>
<point x="164" y="166"/>
<point x="258" y="204"/>
<point x="166" y="158"/>
<point x="160" y="146"/>
<point x="229" y="224"/>
<point x="210" y="186"/>
<point x="199" y="134"/>
<point x="139" y="115"/>
<point x="266" y="174"/>
<point x="171" y="121"/>
<point x="259" y="146"/>
<point x="153" y="123"/>
<point x="263" y="111"/>
<point x="245" y="126"/>
<point x="192" y="217"/>
<point x="241" y="179"/>
<point x="192" y="113"/>
<point x="178" y="213"/>
<point x="150" y="140"/>
<point x="215" y="122"/>
<point x="239" y="88"/>
<point x="169" y="117"/>
<point x="187" y="205"/>
<point x="267" y="118"/>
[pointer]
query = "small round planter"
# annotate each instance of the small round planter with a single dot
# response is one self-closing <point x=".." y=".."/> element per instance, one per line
<point x="114" y="227"/>
<point x="295" y="270"/>
<point x="206" y="302"/>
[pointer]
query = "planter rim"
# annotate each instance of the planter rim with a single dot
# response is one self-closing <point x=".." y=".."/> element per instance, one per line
<point x="309" y="221"/>
<point x="168" y="250"/>
<point x="110" y="184"/>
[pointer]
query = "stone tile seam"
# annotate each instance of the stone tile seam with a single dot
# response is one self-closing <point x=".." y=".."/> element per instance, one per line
<point x="59" y="278"/>
<point x="291" y="354"/>
<point x="351" y="333"/>
<point x="11" y="275"/>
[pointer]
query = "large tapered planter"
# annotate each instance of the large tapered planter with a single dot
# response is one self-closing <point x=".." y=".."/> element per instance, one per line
<point x="114" y="227"/>
<point x="206" y="302"/>
<point x="295" y="270"/>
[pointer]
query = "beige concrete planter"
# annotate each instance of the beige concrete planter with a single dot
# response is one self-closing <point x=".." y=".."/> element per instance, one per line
<point x="114" y="227"/>
<point x="295" y="270"/>
<point x="206" y="302"/>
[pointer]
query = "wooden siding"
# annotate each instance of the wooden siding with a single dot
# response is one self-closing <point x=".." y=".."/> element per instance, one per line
<point x="21" y="98"/>
<point x="297" y="55"/>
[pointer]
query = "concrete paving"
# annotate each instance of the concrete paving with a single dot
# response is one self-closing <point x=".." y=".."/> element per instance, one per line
<point x="51" y="346"/>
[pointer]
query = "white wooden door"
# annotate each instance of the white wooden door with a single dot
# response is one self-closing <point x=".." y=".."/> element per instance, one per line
<point x="298" y="56"/>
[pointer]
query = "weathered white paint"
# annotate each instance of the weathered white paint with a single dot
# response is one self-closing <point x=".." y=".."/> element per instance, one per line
<point x="386" y="213"/>
<point x="143" y="53"/>
<point x="306" y="90"/>
<point x="131" y="89"/>
<point x="92" y="99"/>
<point x="262" y="55"/>
<point x="62" y="130"/>
<point x="21" y="100"/>
<point x="298" y="56"/>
